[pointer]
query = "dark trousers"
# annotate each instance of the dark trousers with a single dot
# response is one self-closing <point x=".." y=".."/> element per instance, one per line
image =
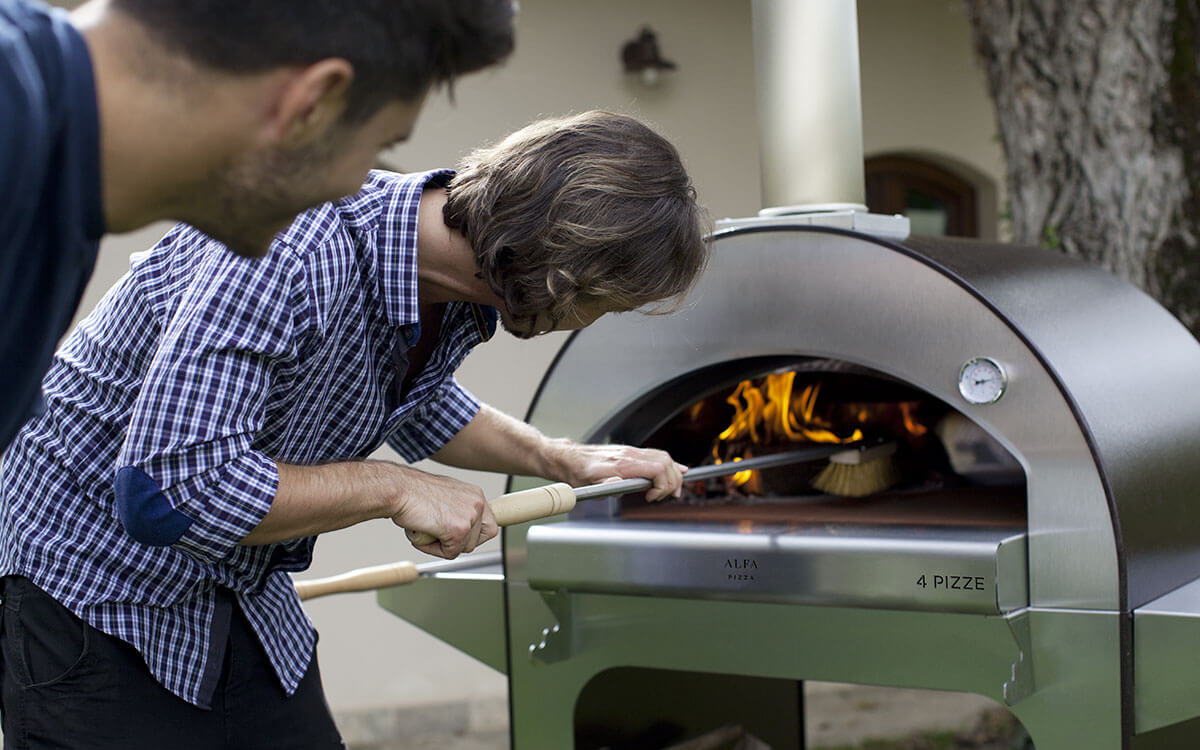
<point x="67" y="685"/>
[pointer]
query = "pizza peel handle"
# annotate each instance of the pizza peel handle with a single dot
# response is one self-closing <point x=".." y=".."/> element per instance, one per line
<point x="363" y="579"/>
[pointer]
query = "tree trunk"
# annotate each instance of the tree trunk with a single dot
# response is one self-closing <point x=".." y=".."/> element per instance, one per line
<point x="1098" y="107"/>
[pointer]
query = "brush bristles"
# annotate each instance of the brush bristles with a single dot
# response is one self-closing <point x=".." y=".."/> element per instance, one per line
<point x="859" y="479"/>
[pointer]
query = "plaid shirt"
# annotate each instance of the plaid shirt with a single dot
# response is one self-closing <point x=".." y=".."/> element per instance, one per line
<point x="202" y="369"/>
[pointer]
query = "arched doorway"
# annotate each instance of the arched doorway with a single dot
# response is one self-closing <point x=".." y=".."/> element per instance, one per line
<point x="936" y="201"/>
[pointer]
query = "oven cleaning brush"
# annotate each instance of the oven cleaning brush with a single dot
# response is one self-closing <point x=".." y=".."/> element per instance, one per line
<point x="858" y="472"/>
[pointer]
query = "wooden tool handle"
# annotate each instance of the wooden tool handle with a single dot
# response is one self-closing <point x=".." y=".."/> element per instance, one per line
<point x="363" y="579"/>
<point x="519" y="507"/>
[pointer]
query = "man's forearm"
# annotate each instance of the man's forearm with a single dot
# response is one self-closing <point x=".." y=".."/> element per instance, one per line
<point x="315" y="499"/>
<point x="493" y="441"/>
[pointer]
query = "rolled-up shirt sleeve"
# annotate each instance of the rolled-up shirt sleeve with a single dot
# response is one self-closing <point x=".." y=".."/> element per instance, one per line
<point x="435" y="421"/>
<point x="188" y="474"/>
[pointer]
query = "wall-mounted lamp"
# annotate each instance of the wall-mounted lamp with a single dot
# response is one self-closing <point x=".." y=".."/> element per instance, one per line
<point x="640" y="55"/>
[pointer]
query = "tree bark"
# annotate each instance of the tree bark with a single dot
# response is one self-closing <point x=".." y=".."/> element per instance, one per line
<point x="1098" y="108"/>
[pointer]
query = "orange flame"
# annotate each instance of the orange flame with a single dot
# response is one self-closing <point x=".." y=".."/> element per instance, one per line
<point x="767" y="412"/>
<point x="915" y="428"/>
<point x="771" y="407"/>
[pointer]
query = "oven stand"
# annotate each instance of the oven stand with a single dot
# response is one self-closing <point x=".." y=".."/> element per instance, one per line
<point x="1075" y="701"/>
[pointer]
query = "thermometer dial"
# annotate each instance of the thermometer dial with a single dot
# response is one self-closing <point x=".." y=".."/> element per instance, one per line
<point x="982" y="380"/>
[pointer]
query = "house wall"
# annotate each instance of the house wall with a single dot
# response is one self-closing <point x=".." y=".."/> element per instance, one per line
<point x="925" y="96"/>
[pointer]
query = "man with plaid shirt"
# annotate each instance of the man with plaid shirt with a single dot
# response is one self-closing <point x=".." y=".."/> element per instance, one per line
<point x="214" y="414"/>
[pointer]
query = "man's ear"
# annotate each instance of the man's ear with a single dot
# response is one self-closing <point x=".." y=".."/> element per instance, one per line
<point x="312" y="102"/>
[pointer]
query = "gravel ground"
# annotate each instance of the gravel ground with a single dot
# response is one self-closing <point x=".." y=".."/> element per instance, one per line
<point x="472" y="741"/>
<point x="996" y="729"/>
<point x="840" y="717"/>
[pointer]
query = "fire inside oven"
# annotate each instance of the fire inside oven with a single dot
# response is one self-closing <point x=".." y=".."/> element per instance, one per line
<point x="936" y="467"/>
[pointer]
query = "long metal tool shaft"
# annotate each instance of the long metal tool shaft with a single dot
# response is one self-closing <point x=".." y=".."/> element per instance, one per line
<point x="553" y="499"/>
<point x="626" y="486"/>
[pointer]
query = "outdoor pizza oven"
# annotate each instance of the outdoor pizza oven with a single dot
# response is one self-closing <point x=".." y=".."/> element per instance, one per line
<point x="1031" y="521"/>
<point x="1040" y="544"/>
<point x="1038" y="541"/>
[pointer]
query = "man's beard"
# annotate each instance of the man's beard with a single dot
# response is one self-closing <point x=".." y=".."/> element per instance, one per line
<point x="257" y="197"/>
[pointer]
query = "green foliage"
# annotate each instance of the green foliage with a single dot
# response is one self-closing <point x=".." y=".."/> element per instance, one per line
<point x="1050" y="238"/>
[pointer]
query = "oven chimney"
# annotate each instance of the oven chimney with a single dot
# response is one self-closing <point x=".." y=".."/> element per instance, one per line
<point x="809" y="108"/>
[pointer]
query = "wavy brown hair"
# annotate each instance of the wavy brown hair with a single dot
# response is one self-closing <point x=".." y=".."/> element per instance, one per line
<point x="591" y="208"/>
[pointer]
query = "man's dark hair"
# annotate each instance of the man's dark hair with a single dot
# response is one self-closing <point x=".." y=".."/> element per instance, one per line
<point x="399" y="48"/>
<point x="595" y="208"/>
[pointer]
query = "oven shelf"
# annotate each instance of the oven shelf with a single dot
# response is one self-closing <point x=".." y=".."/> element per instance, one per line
<point x="911" y="567"/>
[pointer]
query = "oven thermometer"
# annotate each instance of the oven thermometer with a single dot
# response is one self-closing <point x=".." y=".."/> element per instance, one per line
<point x="982" y="380"/>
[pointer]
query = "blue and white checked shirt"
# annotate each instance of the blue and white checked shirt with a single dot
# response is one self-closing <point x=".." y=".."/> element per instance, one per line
<point x="201" y="370"/>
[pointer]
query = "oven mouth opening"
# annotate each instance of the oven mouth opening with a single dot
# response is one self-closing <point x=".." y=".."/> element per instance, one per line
<point x="948" y="471"/>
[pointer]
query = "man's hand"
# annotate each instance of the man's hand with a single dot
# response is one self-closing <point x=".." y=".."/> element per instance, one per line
<point x="455" y="513"/>
<point x="592" y="464"/>
<point x="314" y="499"/>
